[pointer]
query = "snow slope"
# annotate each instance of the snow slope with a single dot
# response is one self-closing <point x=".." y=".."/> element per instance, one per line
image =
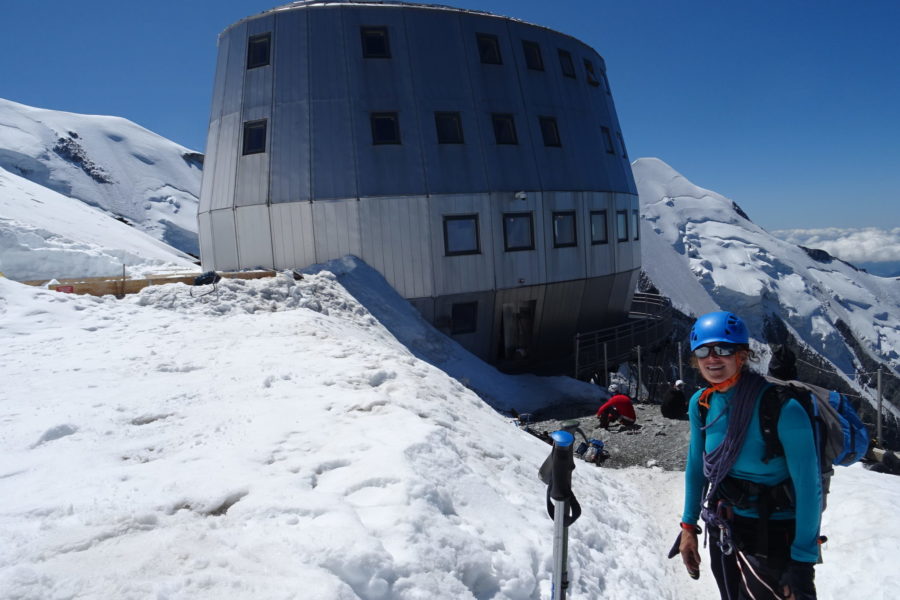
<point x="703" y="252"/>
<point x="277" y="441"/>
<point x="109" y="163"/>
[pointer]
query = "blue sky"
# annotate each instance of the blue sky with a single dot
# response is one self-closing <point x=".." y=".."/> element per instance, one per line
<point x="791" y="108"/>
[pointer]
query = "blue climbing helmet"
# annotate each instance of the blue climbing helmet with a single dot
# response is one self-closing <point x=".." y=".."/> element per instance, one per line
<point x="721" y="326"/>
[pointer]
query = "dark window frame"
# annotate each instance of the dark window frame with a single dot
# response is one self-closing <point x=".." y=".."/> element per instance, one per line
<point x="456" y="119"/>
<point x="459" y="325"/>
<point x="534" y="59"/>
<point x="566" y="63"/>
<point x="506" y="246"/>
<point x="254" y="60"/>
<point x="561" y="213"/>
<point x="621" y="217"/>
<point x="636" y="223"/>
<point x="605" y="239"/>
<point x="607" y="137"/>
<point x="248" y="137"/>
<point x="489" y="48"/>
<point x="591" y="75"/>
<point x="468" y="217"/>
<point x="366" y="33"/>
<point x="545" y="122"/>
<point x="377" y="138"/>
<point x="501" y="119"/>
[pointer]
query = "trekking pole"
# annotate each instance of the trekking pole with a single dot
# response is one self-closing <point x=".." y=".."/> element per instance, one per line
<point x="562" y="506"/>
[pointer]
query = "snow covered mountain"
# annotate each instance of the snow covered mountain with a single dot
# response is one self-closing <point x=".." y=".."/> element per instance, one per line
<point x="109" y="163"/>
<point x="701" y="250"/>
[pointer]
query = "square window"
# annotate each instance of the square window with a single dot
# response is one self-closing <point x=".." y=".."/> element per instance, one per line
<point x="259" y="50"/>
<point x="518" y="231"/>
<point x="505" y="129"/>
<point x="385" y="128"/>
<point x="550" y="131"/>
<point x="461" y="235"/>
<point x="622" y="143"/>
<point x="254" y="137"/>
<point x="566" y="63"/>
<point x="489" y="49"/>
<point x="375" y="43"/>
<point x="607" y="137"/>
<point x="622" y="225"/>
<point x="564" y="233"/>
<point x="589" y="70"/>
<point x="533" y="58"/>
<point x="449" y="127"/>
<point x="599" y="233"/>
<point x="636" y="223"/>
<point x="463" y="318"/>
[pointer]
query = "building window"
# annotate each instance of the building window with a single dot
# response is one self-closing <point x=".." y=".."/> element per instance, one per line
<point x="518" y="231"/>
<point x="375" y="43"/>
<point x="254" y="137"/>
<point x="564" y="233"/>
<point x="622" y="225"/>
<point x="566" y="63"/>
<point x="636" y="223"/>
<point x="463" y="318"/>
<point x="607" y="137"/>
<point x="461" y="235"/>
<point x="489" y="49"/>
<point x="622" y="143"/>
<point x="589" y="70"/>
<point x="385" y="128"/>
<point x="259" y="50"/>
<point x="449" y="127"/>
<point x="599" y="231"/>
<point x="533" y="58"/>
<point x="550" y="131"/>
<point x="505" y="129"/>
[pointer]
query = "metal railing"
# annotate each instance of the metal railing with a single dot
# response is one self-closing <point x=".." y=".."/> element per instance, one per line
<point x="649" y="322"/>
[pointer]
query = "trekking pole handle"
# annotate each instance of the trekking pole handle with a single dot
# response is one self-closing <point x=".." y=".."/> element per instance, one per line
<point x="563" y="463"/>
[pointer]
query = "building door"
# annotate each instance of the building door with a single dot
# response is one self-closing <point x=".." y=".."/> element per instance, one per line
<point x="516" y="330"/>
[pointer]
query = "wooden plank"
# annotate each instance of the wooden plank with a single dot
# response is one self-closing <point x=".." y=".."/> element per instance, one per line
<point x="119" y="287"/>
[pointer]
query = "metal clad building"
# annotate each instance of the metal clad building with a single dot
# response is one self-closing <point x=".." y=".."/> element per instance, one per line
<point x="476" y="161"/>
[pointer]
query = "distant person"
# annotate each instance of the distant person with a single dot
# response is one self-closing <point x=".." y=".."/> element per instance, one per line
<point x="674" y="405"/>
<point x="617" y="408"/>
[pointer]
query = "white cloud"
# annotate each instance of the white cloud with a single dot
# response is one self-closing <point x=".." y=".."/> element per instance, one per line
<point x="856" y="245"/>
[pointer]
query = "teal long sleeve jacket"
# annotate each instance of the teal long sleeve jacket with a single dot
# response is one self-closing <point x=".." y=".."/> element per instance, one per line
<point x="799" y="463"/>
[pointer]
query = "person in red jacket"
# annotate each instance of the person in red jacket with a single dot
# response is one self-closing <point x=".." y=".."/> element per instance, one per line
<point x="617" y="408"/>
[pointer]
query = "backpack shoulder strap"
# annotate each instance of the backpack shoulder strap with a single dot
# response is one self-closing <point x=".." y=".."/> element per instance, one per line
<point x="769" y="412"/>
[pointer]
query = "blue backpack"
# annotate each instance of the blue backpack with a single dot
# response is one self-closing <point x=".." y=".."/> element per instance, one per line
<point x="841" y="438"/>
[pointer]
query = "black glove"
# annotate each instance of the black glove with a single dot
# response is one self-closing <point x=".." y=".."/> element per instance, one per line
<point x="799" y="578"/>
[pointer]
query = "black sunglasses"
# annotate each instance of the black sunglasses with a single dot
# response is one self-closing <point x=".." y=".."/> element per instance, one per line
<point x="718" y="349"/>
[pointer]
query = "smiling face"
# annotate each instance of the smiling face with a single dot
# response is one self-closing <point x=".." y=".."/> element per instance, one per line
<point x="716" y="369"/>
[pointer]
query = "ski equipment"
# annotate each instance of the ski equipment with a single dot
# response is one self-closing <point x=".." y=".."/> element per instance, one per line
<point x="562" y="506"/>
<point x="719" y="326"/>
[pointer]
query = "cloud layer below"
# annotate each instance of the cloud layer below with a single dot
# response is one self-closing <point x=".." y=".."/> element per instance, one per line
<point x="855" y="245"/>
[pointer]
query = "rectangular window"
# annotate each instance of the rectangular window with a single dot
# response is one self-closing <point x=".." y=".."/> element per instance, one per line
<point x="449" y="127"/>
<point x="505" y="129"/>
<point x="564" y="232"/>
<point x="566" y="63"/>
<point x="622" y="143"/>
<point x="259" y="50"/>
<point x="385" y="128"/>
<point x="254" y="137"/>
<point x="375" y="43"/>
<point x="533" y="58"/>
<point x="550" y="131"/>
<point x="607" y="137"/>
<point x="518" y="231"/>
<point x="463" y="318"/>
<point x="461" y="235"/>
<point x="589" y="71"/>
<point x="599" y="231"/>
<point x="636" y="223"/>
<point x="622" y="225"/>
<point x="489" y="49"/>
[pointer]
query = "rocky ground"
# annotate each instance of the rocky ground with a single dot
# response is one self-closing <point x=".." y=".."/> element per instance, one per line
<point x="657" y="441"/>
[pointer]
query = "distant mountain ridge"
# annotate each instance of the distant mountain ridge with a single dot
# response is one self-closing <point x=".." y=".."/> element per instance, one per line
<point x="109" y="163"/>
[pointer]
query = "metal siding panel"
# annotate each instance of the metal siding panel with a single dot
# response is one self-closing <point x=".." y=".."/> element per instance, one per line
<point x="226" y="155"/>
<point x="254" y="237"/>
<point x="207" y="256"/>
<point x="218" y="97"/>
<point x="480" y="342"/>
<point x="258" y="81"/>
<point x="595" y="313"/>
<point x="601" y="257"/>
<point x="225" y="245"/>
<point x="209" y="167"/>
<point x="233" y="94"/>
<point x="558" y="320"/>
<point x="337" y="229"/>
<point x="292" y="235"/>
<point x="525" y="267"/>
<point x="468" y="273"/>
<point x="564" y="264"/>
